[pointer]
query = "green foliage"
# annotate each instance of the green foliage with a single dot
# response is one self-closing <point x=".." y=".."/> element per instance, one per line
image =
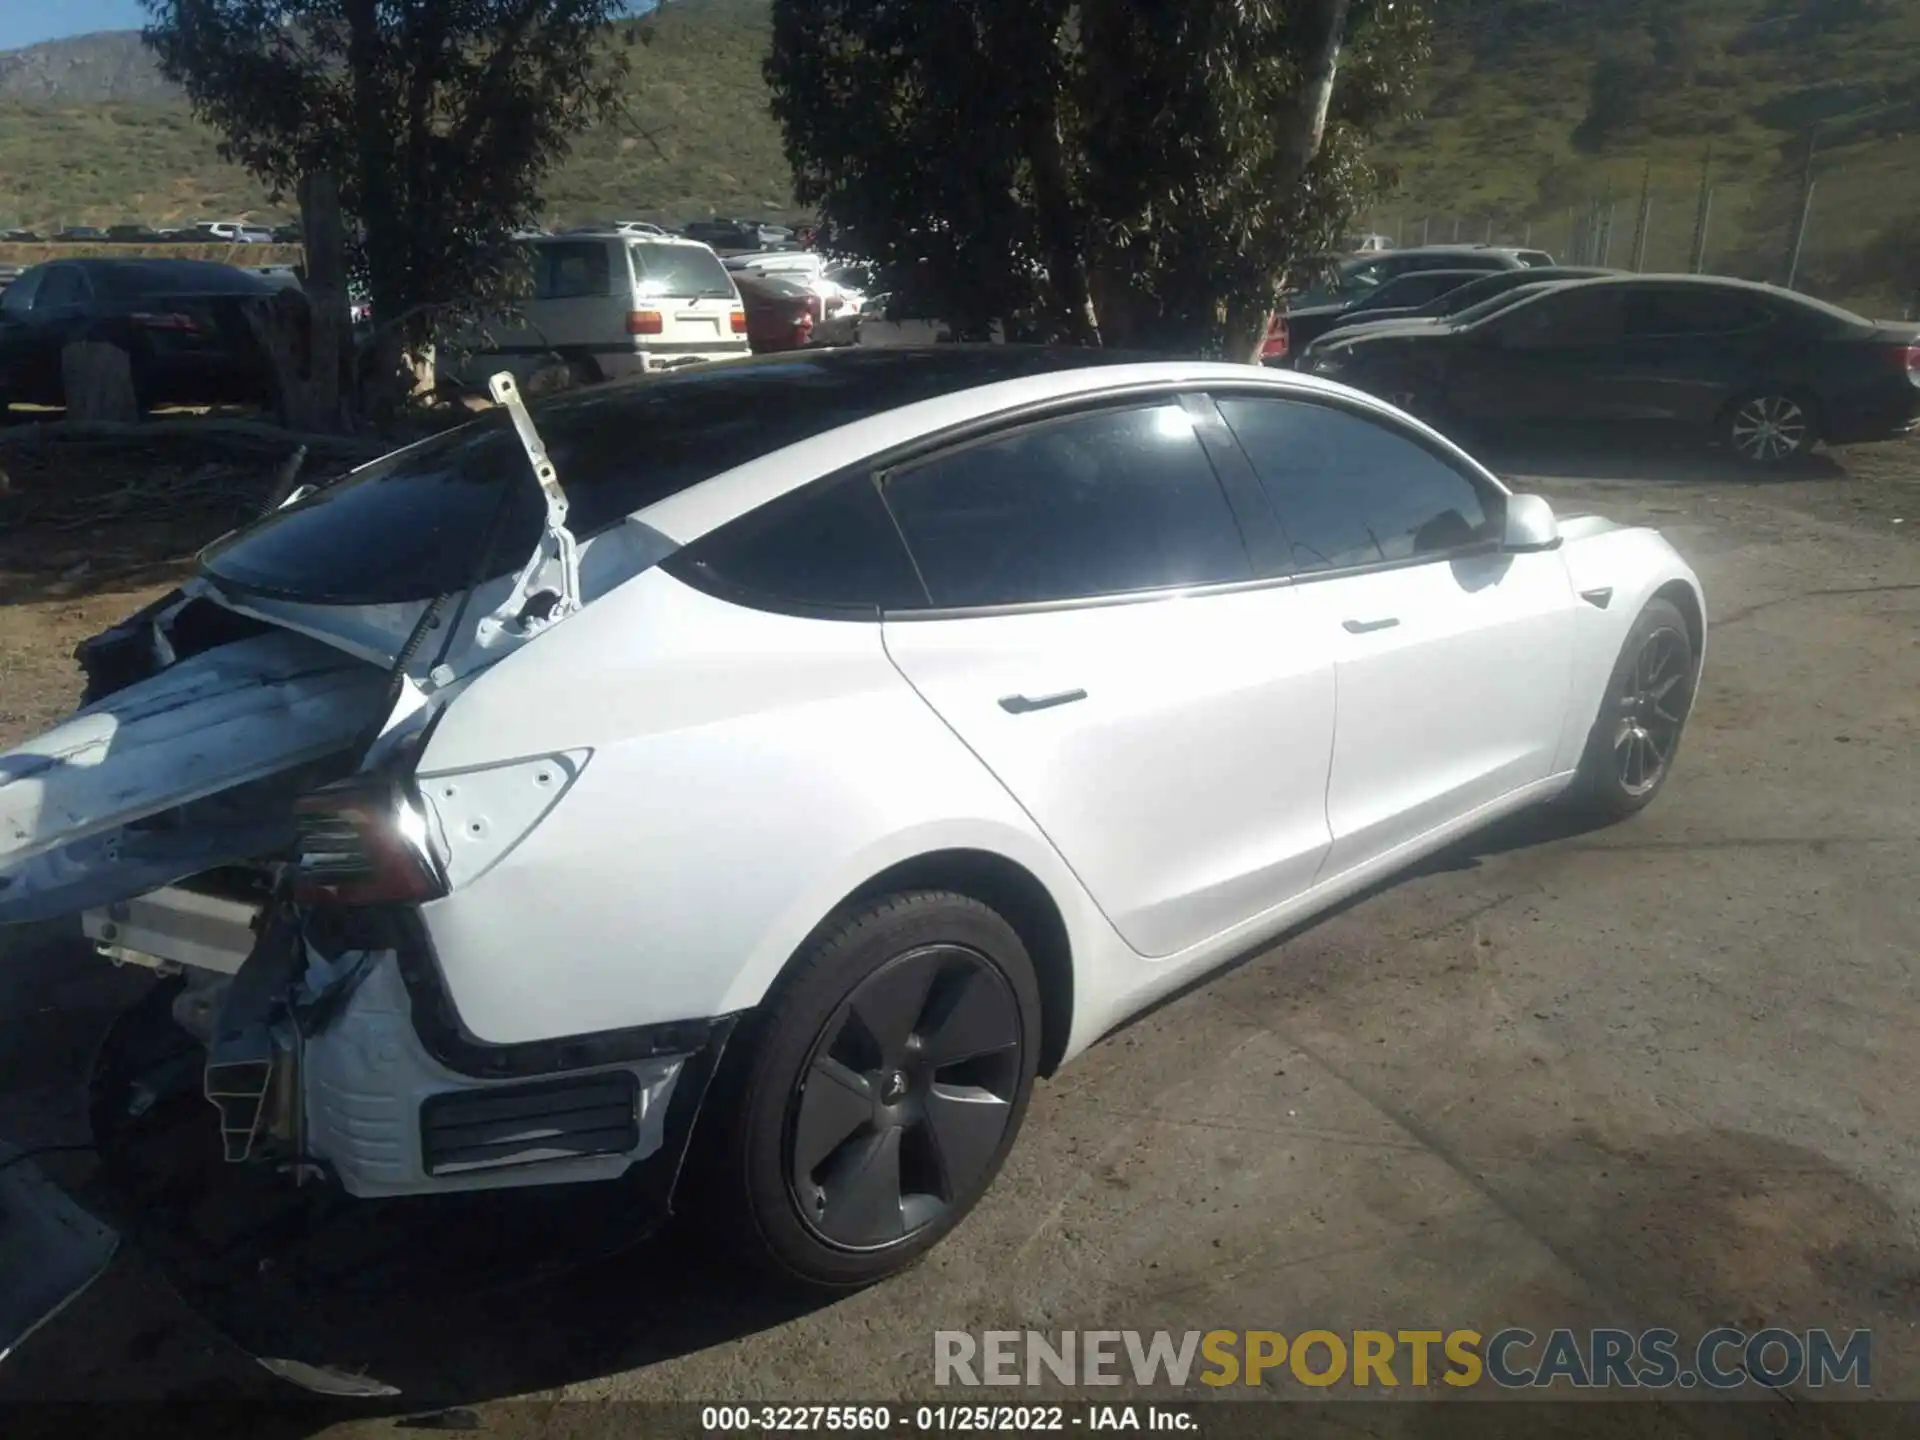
<point x="1146" y="158"/>
<point x="439" y="120"/>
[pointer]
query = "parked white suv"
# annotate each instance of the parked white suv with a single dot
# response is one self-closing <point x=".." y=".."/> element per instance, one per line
<point x="610" y="304"/>
<point x="820" y="746"/>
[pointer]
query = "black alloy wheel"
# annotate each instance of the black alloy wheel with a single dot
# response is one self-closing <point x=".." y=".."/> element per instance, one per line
<point x="906" y="1099"/>
<point x="1650" y="709"/>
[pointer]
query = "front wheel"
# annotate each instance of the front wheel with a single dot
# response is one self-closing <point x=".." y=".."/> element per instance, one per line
<point x="1767" y="429"/>
<point x="870" y="1102"/>
<point x="1631" y="747"/>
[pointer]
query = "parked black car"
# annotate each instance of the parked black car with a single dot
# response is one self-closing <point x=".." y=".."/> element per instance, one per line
<point x="724" y="233"/>
<point x="132" y="234"/>
<point x="1767" y="372"/>
<point x="81" y="232"/>
<point x="180" y="321"/>
<point x="1386" y="305"/>
<point x="1400" y="295"/>
<point x="1364" y="273"/>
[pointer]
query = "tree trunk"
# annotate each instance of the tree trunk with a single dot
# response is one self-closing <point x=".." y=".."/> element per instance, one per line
<point x="330" y="355"/>
<point x="1300" y="138"/>
<point x="282" y="333"/>
<point x="97" y="379"/>
<point x="1067" y="279"/>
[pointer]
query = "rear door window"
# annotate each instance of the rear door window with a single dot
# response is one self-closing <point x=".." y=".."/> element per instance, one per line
<point x="680" y="271"/>
<point x="571" y="270"/>
<point x="1097" y="504"/>
<point x="1350" y="491"/>
<point x="1670" y="312"/>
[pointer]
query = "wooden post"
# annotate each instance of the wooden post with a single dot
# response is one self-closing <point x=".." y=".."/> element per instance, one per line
<point x="97" y="380"/>
<point x="325" y="283"/>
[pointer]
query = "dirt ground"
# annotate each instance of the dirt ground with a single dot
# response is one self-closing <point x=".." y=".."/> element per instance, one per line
<point x="1657" y="1075"/>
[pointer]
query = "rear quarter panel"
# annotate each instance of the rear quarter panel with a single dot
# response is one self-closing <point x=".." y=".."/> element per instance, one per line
<point x="748" y="770"/>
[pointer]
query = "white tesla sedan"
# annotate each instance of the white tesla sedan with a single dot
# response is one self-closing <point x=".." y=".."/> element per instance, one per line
<point x="818" y="747"/>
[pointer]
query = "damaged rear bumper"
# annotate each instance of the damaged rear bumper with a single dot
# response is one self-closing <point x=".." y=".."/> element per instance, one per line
<point x="395" y="1164"/>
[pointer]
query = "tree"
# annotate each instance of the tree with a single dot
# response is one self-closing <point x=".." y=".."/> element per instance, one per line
<point x="1108" y="171"/>
<point x="439" y="119"/>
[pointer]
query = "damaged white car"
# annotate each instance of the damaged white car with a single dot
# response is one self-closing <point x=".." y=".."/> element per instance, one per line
<point x="817" y="748"/>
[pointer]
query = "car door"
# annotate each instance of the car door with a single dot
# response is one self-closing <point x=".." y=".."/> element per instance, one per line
<point x="1452" y="659"/>
<point x="575" y="303"/>
<point x="61" y="311"/>
<point x="16" y="334"/>
<point x="1689" y="348"/>
<point x="1551" y="358"/>
<point x="1094" y="634"/>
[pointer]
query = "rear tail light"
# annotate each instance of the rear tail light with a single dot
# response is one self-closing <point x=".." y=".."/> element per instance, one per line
<point x="364" y="843"/>
<point x="739" y="322"/>
<point x="645" y="322"/>
<point x="1273" y="345"/>
<point x="154" y="320"/>
<point x="1907" y="358"/>
<point x="803" y="328"/>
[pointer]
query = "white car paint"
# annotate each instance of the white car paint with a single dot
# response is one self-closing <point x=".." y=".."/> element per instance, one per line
<point x="723" y="776"/>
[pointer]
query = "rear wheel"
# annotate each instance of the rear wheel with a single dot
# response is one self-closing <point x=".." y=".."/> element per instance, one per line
<point x="869" y="1104"/>
<point x="1631" y="747"/>
<point x="1768" y="428"/>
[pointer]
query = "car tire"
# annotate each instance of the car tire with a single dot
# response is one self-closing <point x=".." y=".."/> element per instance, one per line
<point x="1769" y="428"/>
<point x="1643" y="714"/>
<point x="867" y="1105"/>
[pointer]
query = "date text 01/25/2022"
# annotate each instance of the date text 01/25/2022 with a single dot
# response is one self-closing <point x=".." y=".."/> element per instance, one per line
<point x="997" y="1419"/>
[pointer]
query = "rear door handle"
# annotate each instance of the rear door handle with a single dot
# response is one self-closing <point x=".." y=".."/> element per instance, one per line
<point x="1026" y="704"/>
<point x="1367" y="627"/>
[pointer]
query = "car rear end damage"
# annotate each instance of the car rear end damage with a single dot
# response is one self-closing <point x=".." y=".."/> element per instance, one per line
<point x="239" y="808"/>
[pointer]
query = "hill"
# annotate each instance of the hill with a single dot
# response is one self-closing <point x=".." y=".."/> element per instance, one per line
<point x="91" y="135"/>
<point x="1531" y="113"/>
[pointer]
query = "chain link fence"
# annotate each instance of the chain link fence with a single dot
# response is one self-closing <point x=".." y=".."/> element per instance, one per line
<point x="1853" y="238"/>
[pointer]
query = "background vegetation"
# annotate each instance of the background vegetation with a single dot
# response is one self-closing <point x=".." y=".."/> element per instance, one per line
<point x="1530" y="109"/>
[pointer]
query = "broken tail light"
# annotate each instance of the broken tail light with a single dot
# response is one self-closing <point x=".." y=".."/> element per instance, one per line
<point x="364" y="843"/>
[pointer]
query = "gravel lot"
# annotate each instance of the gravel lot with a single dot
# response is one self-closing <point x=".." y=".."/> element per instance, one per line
<point x="1648" y="1076"/>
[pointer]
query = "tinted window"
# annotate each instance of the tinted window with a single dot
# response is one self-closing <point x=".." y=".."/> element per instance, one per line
<point x="63" y="289"/>
<point x="834" y="546"/>
<point x="1579" y="316"/>
<point x="125" y="280"/>
<point x="1098" y="504"/>
<point x="415" y="524"/>
<point x="566" y="272"/>
<point x="1672" y="311"/>
<point x="680" y="270"/>
<point x="1493" y="305"/>
<point x="1348" y="490"/>
<point x="1533" y="258"/>
<point x="17" y="298"/>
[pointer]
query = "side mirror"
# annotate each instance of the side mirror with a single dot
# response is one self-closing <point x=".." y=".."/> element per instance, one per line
<point x="1530" y="525"/>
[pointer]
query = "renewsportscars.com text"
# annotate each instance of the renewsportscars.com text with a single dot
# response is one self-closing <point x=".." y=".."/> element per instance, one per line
<point x="1511" y="1358"/>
